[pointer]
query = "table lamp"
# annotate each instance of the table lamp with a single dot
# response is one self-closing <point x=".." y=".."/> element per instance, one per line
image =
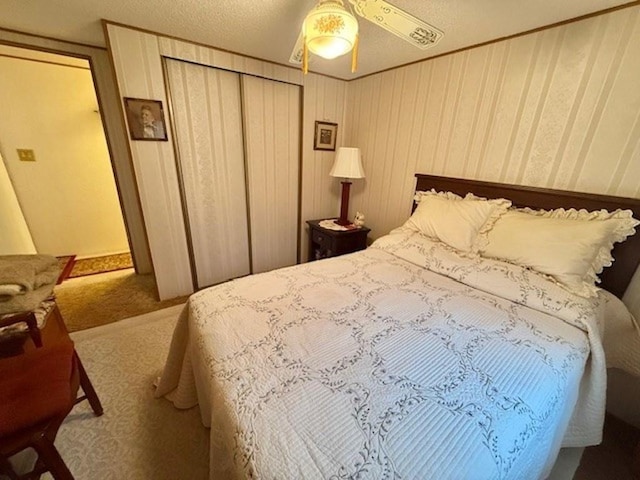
<point x="347" y="165"/>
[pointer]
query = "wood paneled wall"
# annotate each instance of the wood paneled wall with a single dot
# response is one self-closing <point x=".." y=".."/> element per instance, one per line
<point x="325" y="99"/>
<point x="271" y="112"/>
<point x="137" y="59"/>
<point x="207" y="117"/>
<point x="559" y="108"/>
<point x="138" y="67"/>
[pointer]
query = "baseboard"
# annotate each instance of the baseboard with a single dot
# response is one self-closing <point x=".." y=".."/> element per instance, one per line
<point x="98" y="255"/>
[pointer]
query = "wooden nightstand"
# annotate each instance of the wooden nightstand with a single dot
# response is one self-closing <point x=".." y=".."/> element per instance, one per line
<point x="325" y="243"/>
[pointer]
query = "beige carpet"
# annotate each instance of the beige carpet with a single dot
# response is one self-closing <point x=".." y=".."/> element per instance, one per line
<point x="87" y="302"/>
<point x="141" y="438"/>
<point x="138" y="437"/>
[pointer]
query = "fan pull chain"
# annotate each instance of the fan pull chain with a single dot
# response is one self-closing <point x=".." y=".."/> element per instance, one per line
<point x="305" y="57"/>
<point x="354" y="55"/>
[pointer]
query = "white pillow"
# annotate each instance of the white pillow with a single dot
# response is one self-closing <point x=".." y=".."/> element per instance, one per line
<point x="430" y="193"/>
<point x="571" y="246"/>
<point x="460" y="223"/>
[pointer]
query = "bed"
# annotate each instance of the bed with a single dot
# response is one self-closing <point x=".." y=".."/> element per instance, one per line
<point x="405" y="360"/>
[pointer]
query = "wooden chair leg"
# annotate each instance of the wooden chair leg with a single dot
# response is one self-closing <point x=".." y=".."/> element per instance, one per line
<point x="7" y="469"/>
<point x="635" y="462"/>
<point x="49" y="455"/>
<point x="88" y="389"/>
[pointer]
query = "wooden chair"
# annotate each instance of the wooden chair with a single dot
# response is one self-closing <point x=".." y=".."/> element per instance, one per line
<point x="38" y="388"/>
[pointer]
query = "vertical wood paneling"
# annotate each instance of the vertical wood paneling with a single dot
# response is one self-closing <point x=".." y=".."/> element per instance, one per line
<point x="558" y="108"/>
<point x="616" y="108"/>
<point x="272" y="139"/>
<point x="324" y="100"/>
<point x="588" y="51"/>
<point x="139" y="72"/>
<point x="190" y="52"/>
<point x="553" y="109"/>
<point x="208" y="126"/>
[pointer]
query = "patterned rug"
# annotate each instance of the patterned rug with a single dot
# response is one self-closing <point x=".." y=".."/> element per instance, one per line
<point x="107" y="263"/>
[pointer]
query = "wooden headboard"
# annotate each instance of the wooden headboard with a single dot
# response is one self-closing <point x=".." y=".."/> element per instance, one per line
<point x="615" y="278"/>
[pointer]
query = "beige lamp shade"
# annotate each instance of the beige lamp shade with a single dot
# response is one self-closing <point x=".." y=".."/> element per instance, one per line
<point x="330" y="30"/>
<point x="348" y="163"/>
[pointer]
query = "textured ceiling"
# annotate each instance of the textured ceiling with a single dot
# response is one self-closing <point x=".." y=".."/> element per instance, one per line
<point x="268" y="29"/>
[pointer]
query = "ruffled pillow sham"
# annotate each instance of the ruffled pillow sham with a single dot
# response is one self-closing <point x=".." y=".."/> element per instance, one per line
<point x="461" y="223"/>
<point x="570" y="246"/>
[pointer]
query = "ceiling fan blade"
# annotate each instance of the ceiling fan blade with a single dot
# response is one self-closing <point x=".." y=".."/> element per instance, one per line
<point x="296" y="54"/>
<point x="398" y="22"/>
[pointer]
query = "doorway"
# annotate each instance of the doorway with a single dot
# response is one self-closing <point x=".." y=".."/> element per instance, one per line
<point x="56" y="156"/>
<point x="56" y="166"/>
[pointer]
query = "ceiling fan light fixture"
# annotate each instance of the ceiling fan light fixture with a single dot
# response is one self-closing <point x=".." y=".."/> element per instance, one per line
<point x="329" y="30"/>
<point x="329" y="47"/>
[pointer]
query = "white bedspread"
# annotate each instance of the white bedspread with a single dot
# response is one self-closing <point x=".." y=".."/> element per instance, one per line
<point x="376" y="365"/>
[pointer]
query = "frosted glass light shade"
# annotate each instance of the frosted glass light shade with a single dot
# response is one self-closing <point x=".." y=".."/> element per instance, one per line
<point x="330" y="30"/>
<point x="348" y="163"/>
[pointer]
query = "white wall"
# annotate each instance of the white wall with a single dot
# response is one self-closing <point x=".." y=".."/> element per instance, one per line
<point x="559" y="109"/>
<point x="114" y="127"/>
<point x="68" y="195"/>
<point x="137" y="59"/>
<point x="15" y="238"/>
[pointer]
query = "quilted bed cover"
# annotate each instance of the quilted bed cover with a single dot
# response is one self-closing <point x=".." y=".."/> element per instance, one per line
<point x="400" y="361"/>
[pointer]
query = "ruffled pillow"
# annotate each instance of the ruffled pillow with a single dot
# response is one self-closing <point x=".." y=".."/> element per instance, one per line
<point x="433" y="192"/>
<point x="571" y="246"/>
<point x="461" y="223"/>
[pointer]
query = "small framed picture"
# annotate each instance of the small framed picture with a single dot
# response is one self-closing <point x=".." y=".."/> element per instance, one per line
<point x="325" y="136"/>
<point x="145" y="119"/>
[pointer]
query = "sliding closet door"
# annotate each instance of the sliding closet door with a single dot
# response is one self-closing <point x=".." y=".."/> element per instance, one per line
<point x="208" y="121"/>
<point x="272" y="131"/>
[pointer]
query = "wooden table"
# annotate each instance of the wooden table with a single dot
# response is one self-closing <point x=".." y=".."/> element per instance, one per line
<point x="325" y="243"/>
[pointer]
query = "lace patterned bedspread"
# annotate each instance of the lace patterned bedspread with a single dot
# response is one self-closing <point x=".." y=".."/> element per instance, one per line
<point x="400" y="361"/>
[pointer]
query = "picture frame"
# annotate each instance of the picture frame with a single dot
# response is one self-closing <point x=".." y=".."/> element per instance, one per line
<point x="145" y="119"/>
<point x="325" y="136"/>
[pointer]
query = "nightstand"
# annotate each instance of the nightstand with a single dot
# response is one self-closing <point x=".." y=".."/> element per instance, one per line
<point x="325" y="243"/>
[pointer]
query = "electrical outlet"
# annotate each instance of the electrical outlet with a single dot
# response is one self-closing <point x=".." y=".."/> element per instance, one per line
<point x="26" y="155"/>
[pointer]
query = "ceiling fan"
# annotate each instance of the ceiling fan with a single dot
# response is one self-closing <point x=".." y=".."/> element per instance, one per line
<point x="329" y="22"/>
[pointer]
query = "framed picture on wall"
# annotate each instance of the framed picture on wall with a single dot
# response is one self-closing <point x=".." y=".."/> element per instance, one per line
<point x="325" y="136"/>
<point x="145" y="119"/>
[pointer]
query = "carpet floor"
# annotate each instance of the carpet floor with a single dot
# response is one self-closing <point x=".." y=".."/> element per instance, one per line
<point x="140" y="437"/>
<point x="95" y="300"/>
